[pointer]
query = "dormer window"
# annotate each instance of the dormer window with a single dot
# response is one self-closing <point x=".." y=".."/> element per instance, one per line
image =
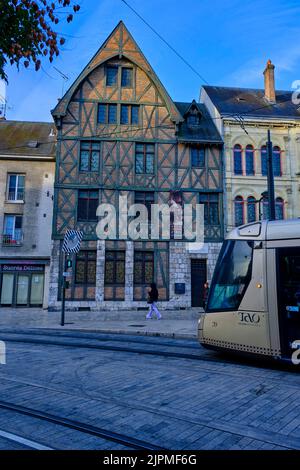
<point x="193" y="117"/>
<point x="193" y="120"/>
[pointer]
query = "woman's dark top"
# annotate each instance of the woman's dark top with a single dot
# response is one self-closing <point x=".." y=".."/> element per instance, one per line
<point x="153" y="295"/>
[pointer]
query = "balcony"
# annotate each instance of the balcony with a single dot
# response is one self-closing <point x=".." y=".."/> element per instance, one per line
<point x="12" y="240"/>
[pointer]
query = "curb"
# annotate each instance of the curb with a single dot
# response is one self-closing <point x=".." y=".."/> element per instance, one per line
<point x="123" y="332"/>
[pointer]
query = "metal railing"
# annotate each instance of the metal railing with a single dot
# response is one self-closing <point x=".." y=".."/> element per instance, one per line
<point x="15" y="195"/>
<point x="12" y="240"/>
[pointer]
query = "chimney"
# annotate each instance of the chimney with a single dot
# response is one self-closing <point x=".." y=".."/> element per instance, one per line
<point x="270" y="82"/>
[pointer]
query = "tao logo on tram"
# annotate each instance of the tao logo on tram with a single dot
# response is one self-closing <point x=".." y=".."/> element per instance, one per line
<point x="252" y="318"/>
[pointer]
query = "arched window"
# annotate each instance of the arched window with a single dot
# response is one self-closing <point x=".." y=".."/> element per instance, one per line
<point x="263" y="156"/>
<point x="251" y="209"/>
<point x="249" y="160"/>
<point x="237" y="159"/>
<point x="279" y="205"/>
<point x="239" y="210"/>
<point x="265" y="209"/>
<point x="276" y="161"/>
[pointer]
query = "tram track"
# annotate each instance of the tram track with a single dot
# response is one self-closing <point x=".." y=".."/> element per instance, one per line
<point x="126" y="441"/>
<point x="93" y="341"/>
<point x="88" y="343"/>
<point x="272" y="438"/>
<point x="207" y="422"/>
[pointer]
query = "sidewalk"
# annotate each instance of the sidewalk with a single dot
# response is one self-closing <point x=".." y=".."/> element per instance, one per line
<point x="174" y="323"/>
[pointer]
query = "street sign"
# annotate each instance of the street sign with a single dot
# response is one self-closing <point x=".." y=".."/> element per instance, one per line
<point x="72" y="241"/>
<point x="67" y="274"/>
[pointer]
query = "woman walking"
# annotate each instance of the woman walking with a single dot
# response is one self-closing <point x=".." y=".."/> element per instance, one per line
<point x="153" y="297"/>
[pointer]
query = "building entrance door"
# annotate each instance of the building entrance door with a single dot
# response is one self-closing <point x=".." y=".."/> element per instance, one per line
<point x="198" y="278"/>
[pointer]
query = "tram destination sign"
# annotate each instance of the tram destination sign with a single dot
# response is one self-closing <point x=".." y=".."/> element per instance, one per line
<point x="22" y="268"/>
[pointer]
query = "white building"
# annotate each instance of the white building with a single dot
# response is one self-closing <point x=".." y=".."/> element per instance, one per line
<point x="243" y="117"/>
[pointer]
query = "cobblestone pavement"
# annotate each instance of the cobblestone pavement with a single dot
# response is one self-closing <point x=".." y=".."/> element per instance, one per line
<point x="174" y="323"/>
<point x="175" y="403"/>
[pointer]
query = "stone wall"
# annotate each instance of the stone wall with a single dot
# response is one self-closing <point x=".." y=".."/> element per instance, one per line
<point x="179" y="272"/>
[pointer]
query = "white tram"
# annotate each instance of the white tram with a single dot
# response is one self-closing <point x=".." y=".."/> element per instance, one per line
<point x="254" y="300"/>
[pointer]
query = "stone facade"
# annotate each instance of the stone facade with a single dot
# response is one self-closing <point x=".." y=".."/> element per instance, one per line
<point x="27" y="152"/>
<point x="180" y="272"/>
<point x="259" y="112"/>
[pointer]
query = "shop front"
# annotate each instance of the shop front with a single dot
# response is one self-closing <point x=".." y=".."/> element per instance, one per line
<point x="22" y="283"/>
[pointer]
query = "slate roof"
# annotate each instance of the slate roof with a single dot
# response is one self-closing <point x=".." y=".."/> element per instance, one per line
<point x="251" y="102"/>
<point x="205" y="131"/>
<point x="27" y="138"/>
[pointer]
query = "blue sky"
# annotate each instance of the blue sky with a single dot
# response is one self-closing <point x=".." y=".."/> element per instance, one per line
<point x="228" y="42"/>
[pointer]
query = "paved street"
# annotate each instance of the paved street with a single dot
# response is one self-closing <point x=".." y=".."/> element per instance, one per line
<point x="206" y="401"/>
<point x="176" y="323"/>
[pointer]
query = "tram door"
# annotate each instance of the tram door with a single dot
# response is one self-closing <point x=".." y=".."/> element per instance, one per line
<point x="288" y="292"/>
<point x="198" y="278"/>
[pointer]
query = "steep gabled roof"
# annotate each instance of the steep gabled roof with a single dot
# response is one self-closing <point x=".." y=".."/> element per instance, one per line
<point x="22" y="138"/>
<point x="205" y="131"/>
<point x="252" y="103"/>
<point x="120" y="44"/>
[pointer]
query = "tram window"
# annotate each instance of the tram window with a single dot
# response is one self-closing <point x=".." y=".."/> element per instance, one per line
<point x="232" y="275"/>
<point x="289" y="278"/>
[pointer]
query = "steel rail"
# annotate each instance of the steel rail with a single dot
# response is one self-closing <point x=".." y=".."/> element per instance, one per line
<point x="127" y="441"/>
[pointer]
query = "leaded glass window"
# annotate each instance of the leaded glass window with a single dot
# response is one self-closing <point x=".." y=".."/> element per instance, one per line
<point x="135" y="114"/>
<point x="85" y="267"/>
<point x="145" y="198"/>
<point x="198" y="156"/>
<point x="211" y="208"/>
<point x="111" y="75"/>
<point x="126" y="77"/>
<point x="144" y="158"/>
<point x="102" y="113"/>
<point x="112" y="114"/>
<point x="193" y="119"/>
<point x="124" y="114"/>
<point x="129" y="114"/>
<point x="87" y="205"/>
<point x="114" y="267"/>
<point x="89" y="156"/>
<point x="143" y="267"/>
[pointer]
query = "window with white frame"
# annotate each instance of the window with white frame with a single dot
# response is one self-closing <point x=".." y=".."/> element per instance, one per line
<point x="15" y="187"/>
<point x="12" y="231"/>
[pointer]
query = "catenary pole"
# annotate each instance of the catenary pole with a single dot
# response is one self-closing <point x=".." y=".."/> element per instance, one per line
<point x="271" y="190"/>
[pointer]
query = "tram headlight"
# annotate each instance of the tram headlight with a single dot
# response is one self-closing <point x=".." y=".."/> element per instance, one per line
<point x="201" y="322"/>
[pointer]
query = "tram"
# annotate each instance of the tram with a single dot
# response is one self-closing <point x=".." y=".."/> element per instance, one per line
<point x="253" y="304"/>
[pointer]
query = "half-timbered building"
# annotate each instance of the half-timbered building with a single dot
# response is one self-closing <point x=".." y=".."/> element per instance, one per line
<point x="120" y="133"/>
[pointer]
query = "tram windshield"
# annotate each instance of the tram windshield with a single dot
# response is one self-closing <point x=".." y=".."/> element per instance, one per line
<point x="231" y="276"/>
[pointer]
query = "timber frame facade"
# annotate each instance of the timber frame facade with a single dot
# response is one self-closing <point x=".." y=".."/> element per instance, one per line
<point x="120" y="133"/>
